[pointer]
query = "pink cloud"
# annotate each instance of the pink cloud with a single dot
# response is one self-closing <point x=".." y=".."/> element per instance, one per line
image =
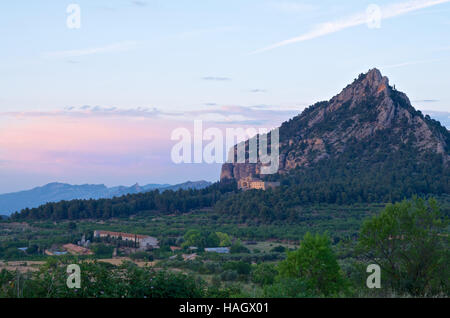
<point x="109" y="145"/>
<point x="56" y="142"/>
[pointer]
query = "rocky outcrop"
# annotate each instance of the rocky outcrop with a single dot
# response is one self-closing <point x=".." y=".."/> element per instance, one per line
<point x="365" y="108"/>
<point x="239" y="170"/>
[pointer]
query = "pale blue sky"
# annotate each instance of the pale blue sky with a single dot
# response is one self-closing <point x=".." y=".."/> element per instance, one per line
<point x="165" y="47"/>
<point x="184" y="56"/>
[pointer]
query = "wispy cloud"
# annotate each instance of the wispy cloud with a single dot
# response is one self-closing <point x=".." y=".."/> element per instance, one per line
<point x="111" y="48"/>
<point x="212" y="112"/>
<point x="413" y="63"/>
<point x="426" y="101"/>
<point x="139" y="3"/>
<point x="109" y="142"/>
<point x="96" y="144"/>
<point x="216" y="78"/>
<point x="72" y="62"/>
<point x="258" y="90"/>
<point x="244" y="115"/>
<point x="360" y="18"/>
<point x="90" y="111"/>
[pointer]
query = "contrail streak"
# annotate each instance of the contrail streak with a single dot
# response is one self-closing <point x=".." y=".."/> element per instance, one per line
<point x="387" y="12"/>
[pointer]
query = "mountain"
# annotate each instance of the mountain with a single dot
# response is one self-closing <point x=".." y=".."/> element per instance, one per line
<point x="136" y="188"/>
<point x="196" y="185"/>
<point x="367" y="133"/>
<point x="54" y="192"/>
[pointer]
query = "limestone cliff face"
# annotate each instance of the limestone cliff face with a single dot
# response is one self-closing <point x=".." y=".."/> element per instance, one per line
<point x="367" y="107"/>
<point x="239" y="170"/>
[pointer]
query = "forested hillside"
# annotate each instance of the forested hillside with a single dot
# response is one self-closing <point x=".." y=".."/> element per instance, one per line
<point x="164" y="202"/>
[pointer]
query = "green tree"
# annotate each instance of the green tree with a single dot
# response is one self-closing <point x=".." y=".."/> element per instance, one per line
<point x="102" y="250"/>
<point x="315" y="264"/>
<point x="408" y="241"/>
<point x="237" y="247"/>
<point x="201" y="239"/>
<point x="192" y="238"/>
<point x="72" y="226"/>
<point x="224" y="239"/>
<point x="99" y="280"/>
<point x="242" y="268"/>
<point x="264" y="274"/>
<point x="287" y="288"/>
<point x="212" y="240"/>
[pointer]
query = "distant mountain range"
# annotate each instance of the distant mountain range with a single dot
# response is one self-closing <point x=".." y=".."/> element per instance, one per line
<point x="54" y="192"/>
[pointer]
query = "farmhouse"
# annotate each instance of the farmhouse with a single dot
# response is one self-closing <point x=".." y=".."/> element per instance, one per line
<point x="220" y="250"/>
<point x="253" y="183"/>
<point x="144" y="241"/>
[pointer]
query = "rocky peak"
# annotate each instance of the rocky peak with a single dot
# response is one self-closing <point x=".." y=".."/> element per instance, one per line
<point x="370" y="84"/>
<point x="362" y="111"/>
<point x="374" y="77"/>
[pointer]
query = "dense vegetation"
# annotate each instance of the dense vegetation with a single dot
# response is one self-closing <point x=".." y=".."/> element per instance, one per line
<point x="340" y="221"/>
<point x="408" y="240"/>
<point x="386" y="165"/>
<point x="410" y="243"/>
<point x="98" y="280"/>
<point x="391" y="176"/>
<point x="180" y="201"/>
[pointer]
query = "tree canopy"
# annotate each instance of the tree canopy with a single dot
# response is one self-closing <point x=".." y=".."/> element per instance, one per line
<point x="408" y="240"/>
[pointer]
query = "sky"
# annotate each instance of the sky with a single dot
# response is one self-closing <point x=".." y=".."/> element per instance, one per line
<point x="97" y="104"/>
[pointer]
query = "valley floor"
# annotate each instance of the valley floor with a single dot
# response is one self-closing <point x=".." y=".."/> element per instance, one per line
<point x="256" y="242"/>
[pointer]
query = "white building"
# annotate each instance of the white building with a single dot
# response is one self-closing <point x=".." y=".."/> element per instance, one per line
<point x="144" y="241"/>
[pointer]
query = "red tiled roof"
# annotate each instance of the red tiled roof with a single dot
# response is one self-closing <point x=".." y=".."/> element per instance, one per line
<point x="121" y="234"/>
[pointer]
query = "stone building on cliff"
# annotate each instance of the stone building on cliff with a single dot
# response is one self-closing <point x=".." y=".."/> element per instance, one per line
<point x="257" y="184"/>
